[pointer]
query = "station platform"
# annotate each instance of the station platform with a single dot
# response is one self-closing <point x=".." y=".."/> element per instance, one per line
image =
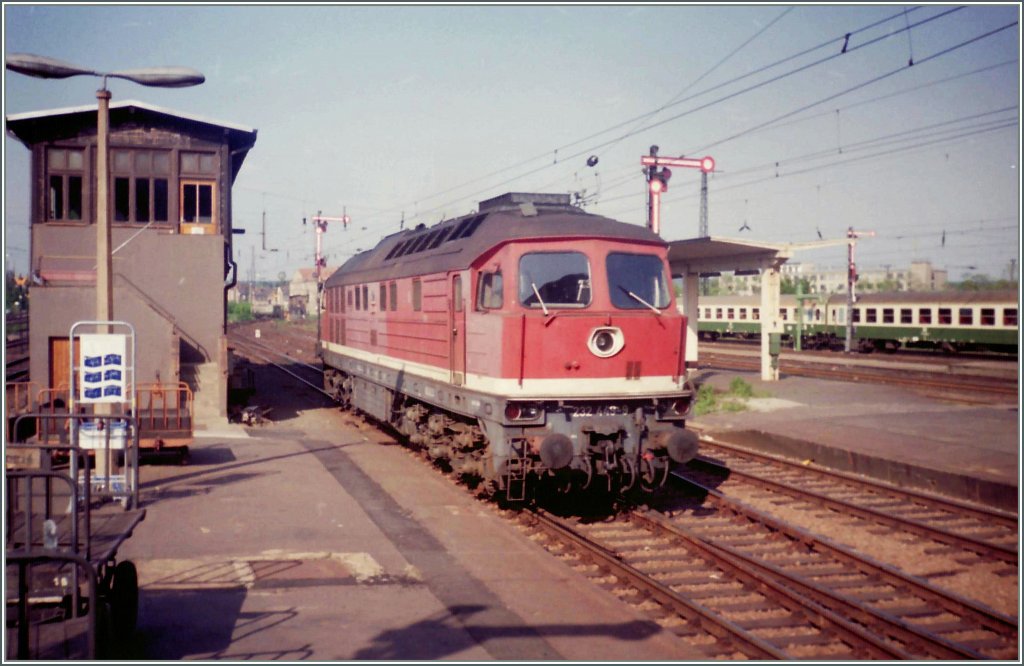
<point x="898" y="435"/>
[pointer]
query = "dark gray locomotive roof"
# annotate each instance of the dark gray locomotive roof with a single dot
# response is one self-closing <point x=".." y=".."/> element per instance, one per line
<point x="455" y="244"/>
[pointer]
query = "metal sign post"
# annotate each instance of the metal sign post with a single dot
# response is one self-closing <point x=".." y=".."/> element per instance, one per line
<point x="103" y="385"/>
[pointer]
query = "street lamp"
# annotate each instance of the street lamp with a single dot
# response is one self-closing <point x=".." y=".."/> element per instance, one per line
<point x="163" y="77"/>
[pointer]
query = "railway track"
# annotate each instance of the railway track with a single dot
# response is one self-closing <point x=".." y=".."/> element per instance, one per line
<point x="969" y="388"/>
<point x="989" y="534"/>
<point x="741" y="584"/>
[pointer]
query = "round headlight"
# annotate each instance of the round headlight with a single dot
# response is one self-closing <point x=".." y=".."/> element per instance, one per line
<point x="606" y="341"/>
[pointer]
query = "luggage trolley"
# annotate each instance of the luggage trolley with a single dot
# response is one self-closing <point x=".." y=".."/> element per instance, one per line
<point x="103" y="384"/>
<point x="67" y="596"/>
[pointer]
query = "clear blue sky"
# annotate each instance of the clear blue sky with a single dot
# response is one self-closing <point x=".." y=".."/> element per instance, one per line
<point x="426" y="110"/>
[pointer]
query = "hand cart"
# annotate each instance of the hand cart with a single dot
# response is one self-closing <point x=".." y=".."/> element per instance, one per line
<point x="67" y="596"/>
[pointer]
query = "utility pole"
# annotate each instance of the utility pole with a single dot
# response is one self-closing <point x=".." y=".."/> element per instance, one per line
<point x="704" y="204"/>
<point x="851" y="280"/>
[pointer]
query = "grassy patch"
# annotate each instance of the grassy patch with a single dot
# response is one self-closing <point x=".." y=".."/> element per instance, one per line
<point x="710" y="400"/>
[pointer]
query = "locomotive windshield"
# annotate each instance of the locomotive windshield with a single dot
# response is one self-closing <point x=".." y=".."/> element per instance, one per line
<point x="637" y="281"/>
<point x="554" y="279"/>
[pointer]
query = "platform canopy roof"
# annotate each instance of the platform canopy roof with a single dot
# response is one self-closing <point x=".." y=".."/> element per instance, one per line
<point x="712" y="255"/>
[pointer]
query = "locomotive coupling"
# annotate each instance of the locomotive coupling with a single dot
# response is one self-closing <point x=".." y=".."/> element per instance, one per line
<point x="681" y="444"/>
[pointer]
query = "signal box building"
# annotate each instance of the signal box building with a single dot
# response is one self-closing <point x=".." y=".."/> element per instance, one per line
<point x="170" y="210"/>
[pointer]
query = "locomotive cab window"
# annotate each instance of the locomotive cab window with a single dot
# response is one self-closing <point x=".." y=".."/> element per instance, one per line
<point x="637" y="281"/>
<point x="490" y="294"/>
<point x="554" y="279"/>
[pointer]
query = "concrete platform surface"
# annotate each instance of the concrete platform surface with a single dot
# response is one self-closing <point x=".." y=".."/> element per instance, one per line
<point x="901" y="436"/>
<point x="312" y="540"/>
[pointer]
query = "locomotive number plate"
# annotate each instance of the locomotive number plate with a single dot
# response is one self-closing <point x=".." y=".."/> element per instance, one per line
<point x="593" y="410"/>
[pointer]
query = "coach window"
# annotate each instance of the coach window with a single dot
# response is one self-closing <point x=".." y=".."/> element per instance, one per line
<point x="743" y="313"/>
<point x="871" y="316"/>
<point x="393" y="294"/>
<point x="555" y="279"/>
<point x="718" y="313"/>
<point x="65" y="168"/>
<point x="490" y="291"/>
<point x="417" y="295"/>
<point x="988" y="316"/>
<point x="730" y="313"/>
<point x="783" y="314"/>
<point x="966" y="317"/>
<point x="945" y="316"/>
<point x="906" y="316"/>
<point x="888" y="316"/>
<point x="856" y="315"/>
<point x="1010" y="317"/>
<point x="756" y="314"/>
<point x="924" y="315"/>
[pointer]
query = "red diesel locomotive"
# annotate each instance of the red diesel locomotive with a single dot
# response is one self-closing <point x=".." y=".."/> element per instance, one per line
<point x="530" y="341"/>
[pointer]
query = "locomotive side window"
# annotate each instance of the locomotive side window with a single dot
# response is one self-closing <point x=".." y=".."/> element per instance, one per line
<point x="988" y="316"/>
<point x="1010" y="317"/>
<point x="457" y="292"/>
<point x="358" y="300"/>
<point x="490" y="291"/>
<point x="906" y="316"/>
<point x="383" y="297"/>
<point x="366" y="297"/>
<point x="637" y="281"/>
<point x="393" y="296"/>
<point x="966" y="316"/>
<point x="554" y="279"/>
<point x="417" y="295"/>
<point x="924" y="315"/>
<point x="945" y="316"/>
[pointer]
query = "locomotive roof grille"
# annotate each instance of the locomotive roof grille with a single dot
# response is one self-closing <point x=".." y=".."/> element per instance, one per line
<point x="454" y="244"/>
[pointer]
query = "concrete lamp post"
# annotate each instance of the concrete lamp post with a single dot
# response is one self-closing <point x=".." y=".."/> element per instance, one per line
<point x="163" y="77"/>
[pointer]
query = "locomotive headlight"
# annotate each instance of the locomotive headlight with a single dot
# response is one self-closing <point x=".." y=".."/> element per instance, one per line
<point x="606" y="341"/>
<point x="522" y="412"/>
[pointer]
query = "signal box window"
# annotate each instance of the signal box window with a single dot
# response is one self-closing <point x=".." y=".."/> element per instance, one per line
<point x="966" y="316"/>
<point x="1010" y="317"/>
<point x="924" y="316"/>
<point x="198" y="203"/>
<point x="988" y="316"/>
<point x="945" y="316"/>
<point x="65" y="168"/>
<point x="637" y="281"/>
<point x="490" y="291"/>
<point x="140" y="185"/>
<point x="554" y="279"/>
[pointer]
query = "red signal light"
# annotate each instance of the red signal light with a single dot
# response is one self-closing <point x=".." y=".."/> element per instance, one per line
<point x="707" y="164"/>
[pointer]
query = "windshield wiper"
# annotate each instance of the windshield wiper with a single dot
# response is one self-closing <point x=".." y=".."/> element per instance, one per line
<point x="533" y="285"/>
<point x="640" y="300"/>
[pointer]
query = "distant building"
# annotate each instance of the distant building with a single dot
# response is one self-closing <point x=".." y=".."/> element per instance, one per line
<point x="302" y="290"/>
<point x="921" y="276"/>
<point x="170" y="209"/>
